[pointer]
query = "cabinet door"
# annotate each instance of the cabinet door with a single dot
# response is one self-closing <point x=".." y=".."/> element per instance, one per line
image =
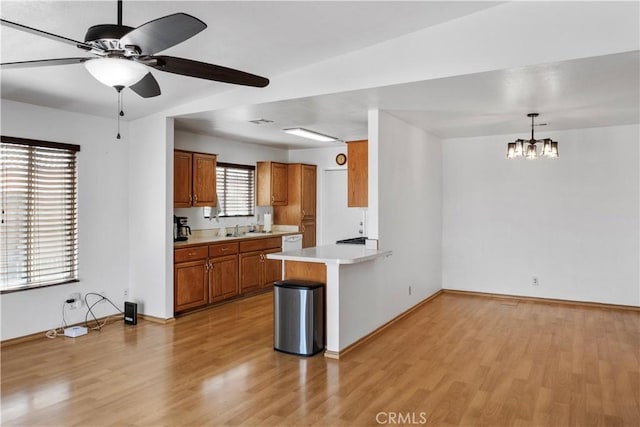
<point x="357" y="173"/>
<point x="250" y="271"/>
<point x="308" y="229"/>
<point x="308" y="192"/>
<point x="182" y="174"/>
<point x="279" y="184"/>
<point x="204" y="180"/>
<point x="191" y="285"/>
<point x="272" y="269"/>
<point x="223" y="279"/>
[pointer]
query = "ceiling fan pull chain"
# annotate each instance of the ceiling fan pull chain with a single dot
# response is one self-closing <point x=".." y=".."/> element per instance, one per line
<point x="120" y="112"/>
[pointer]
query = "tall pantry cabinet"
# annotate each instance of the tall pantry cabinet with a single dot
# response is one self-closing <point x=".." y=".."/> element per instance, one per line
<point x="300" y="209"/>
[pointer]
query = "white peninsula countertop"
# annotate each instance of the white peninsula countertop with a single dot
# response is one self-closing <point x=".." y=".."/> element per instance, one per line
<point x="347" y="271"/>
<point x="331" y="254"/>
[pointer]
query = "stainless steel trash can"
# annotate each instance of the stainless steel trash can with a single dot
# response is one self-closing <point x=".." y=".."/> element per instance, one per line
<point x="298" y="317"/>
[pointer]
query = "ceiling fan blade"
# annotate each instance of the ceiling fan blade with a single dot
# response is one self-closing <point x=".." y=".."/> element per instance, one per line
<point x="51" y="36"/>
<point x="202" y="70"/>
<point x="147" y="87"/>
<point x="162" y="33"/>
<point x="43" y="63"/>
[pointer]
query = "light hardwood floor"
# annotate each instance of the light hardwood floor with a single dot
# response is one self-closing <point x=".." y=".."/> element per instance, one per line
<point x="457" y="360"/>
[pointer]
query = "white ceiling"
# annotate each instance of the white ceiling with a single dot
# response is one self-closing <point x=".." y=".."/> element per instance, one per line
<point x="262" y="37"/>
<point x="592" y="92"/>
<point x="272" y="38"/>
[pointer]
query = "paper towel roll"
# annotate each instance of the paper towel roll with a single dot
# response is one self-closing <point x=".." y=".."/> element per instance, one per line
<point x="267" y="222"/>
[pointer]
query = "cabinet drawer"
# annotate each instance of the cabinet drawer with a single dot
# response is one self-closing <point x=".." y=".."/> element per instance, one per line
<point x="190" y="254"/>
<point x="223" y="249"/>
<point x="260" y="244"/>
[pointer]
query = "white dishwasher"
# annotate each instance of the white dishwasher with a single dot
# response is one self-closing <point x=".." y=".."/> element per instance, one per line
<point x="291" y="242"/>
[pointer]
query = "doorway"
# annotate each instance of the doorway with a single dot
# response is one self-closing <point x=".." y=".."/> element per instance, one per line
<point x="340" y="221"/>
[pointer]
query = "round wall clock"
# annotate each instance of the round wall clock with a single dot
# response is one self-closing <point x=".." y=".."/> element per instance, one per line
<point x="341" y="159"/>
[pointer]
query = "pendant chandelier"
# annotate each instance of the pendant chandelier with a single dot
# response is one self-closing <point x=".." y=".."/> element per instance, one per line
<point x="518" y="149"/>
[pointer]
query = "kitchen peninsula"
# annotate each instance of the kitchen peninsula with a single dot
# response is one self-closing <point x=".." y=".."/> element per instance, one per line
<point x="345" y="270"/>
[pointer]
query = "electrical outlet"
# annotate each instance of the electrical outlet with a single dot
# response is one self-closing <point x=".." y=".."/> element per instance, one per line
<point x="534" y="281"/>
<point x="77" y="300"/>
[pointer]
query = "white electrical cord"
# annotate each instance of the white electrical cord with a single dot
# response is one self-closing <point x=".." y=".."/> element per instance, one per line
<point x="53" y="333"/>
<point x="58" y="331"/>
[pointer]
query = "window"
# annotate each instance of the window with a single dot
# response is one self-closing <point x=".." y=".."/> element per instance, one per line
<point x="236" y="189"/>
<point x="39" y="217"/>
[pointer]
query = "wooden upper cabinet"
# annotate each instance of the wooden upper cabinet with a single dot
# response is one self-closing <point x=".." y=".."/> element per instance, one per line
<point x="194" y="179"/>
<point x="204" y="180"/>
<point x="357" y="173"/>
<point x="182" y="179"/>
<point x="271" y="184"/>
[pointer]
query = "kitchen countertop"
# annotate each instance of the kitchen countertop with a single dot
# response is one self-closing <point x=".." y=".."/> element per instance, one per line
<point x="331" y="254"/>
<point x="204" y="237"/>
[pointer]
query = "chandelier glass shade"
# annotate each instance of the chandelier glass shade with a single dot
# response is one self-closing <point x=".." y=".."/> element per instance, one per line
<point x="527" y="147"/>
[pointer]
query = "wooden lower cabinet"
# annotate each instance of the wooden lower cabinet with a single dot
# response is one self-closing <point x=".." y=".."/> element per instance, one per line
<point x="223" y="278"/>
<point x="250" y="271"/>
<point x="272" y="269"/>
<point x="191" y="285"/>
<point x="256" y="271"/>
<point x="209" y="274"/>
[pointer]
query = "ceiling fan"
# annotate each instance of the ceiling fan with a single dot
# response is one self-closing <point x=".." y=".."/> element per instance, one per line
<point x="123" y="55"/>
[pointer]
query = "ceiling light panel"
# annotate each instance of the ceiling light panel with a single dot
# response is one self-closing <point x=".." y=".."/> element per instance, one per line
<point x="306" y="133"/>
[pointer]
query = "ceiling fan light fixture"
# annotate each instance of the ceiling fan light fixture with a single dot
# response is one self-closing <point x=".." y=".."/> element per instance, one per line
<point x="116" y="71"/>
<point x="306" y="133"/>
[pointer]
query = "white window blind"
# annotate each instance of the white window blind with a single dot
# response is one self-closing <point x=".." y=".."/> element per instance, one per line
<point x="39" y="218"/>
<point x="236" y="189"/>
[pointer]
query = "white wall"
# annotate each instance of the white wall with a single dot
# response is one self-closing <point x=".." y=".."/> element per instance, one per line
<point x="150" y="215"/>
<point x="103" y="231"/>
<point x="410" y="208"/>
<point x="228" y="151"/>
<point x="409" y="221"/>
<point x="573" y="221"/>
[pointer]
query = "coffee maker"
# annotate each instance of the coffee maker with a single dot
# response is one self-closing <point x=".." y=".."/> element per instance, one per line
<point x="181" y="230"/>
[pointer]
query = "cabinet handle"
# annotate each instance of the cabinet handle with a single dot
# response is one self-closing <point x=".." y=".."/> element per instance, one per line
<point x="303" y="214"/>
<point x="302" y="226"/>
<point x="191" y="253"/>
<point x="224" y="249"/>
<point x="195" y="198"/>
<point x="273" y="199"/>
<point x="190" y="199"/>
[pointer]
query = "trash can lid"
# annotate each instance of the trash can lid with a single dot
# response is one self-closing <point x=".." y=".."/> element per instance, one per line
<point x="298" y="284"/>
